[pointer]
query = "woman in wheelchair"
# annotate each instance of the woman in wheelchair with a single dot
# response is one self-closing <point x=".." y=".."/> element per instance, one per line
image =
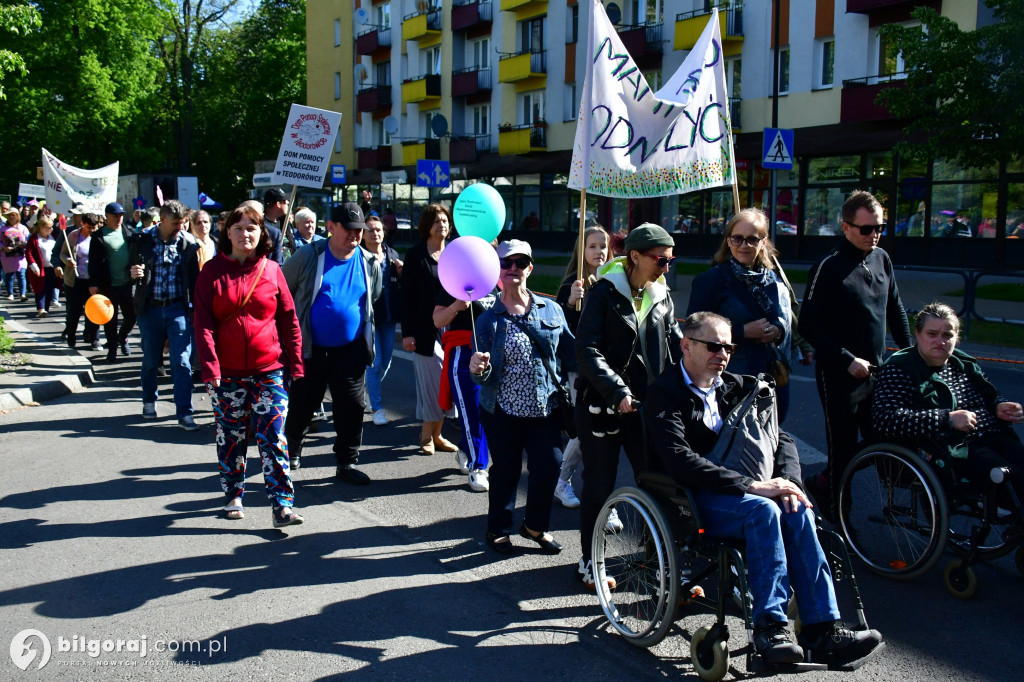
<point x="744" y="476"/>
<point x="932" y="391"/>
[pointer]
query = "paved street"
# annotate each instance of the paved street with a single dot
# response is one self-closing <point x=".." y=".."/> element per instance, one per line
<point x="111" y="530"/>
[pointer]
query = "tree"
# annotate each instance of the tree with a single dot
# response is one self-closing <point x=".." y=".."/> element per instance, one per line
<point x="18" y="20"/>
<point x="963" y="91"/>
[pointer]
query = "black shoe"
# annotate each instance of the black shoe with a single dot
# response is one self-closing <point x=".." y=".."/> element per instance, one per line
<point x="775" y="645"/>
<point x="111" y="356"/>
<point x="502" y="544"/>
<point x="350" y="474"/>
<point x="550" y="546"/>
<point x="295" y="462"/>
<point x="126" y="349"/>
<point x="840" y="647"/>
<point x="817" y="486"/>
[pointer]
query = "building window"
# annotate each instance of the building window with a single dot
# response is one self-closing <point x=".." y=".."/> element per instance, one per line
<point x="383" y="15"/>
<point x="784" y="71"/>
<point x="380" y="136"/>
<point x="533" y="107"/>
<point x="337" y="144"/>
<point x="337" y="85"/>
<point x="572" y="104"/>
<point x="825" y="63"/>
<point x="482" y="53"/>
<point x="481" y="120"/>
<point x="337" y="32"/>
<point x="433" y="65"/>
<point x="572" y="29"/>
<point x="533" y="35"/>
<point x="382" y="73"/>
<point x="734" y="77"/>
<point x="890" y="62"/>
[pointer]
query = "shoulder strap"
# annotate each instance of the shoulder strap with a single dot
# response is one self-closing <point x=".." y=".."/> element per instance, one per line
<point x="259" y="275"/>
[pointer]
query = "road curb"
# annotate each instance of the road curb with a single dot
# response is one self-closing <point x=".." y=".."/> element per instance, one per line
<point x="58" y="385"/>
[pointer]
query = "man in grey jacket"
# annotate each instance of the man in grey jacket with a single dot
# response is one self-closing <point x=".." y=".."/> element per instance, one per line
<point x="334" y="284"/>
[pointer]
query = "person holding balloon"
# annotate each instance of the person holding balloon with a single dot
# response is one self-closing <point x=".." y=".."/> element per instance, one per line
<point x="626" y="337"/>
<point x="75" y="257"/>
<point x="520" y="336"/>
<point x="420" y="285"/>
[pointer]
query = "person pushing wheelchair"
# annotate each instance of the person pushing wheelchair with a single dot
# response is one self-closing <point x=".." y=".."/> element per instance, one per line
<point x="717" y="434"/>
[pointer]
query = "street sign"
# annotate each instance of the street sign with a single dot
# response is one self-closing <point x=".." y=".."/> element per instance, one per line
<point x="394" y="178"/>
<point x="337" y="174"/>
<point x="263" y="180"/>
<point x="430" y="173"/>
<point x="777" y="149"/>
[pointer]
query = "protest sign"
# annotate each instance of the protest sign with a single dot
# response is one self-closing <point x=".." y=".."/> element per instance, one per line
<point x="306" y="146"/>
<point x="66" y="185"/>
<point x="31" y="191"/>
<point x="633" y="142"/>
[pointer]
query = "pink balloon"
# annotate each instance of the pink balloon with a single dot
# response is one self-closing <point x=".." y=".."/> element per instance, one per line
<point x="468" y="268"/>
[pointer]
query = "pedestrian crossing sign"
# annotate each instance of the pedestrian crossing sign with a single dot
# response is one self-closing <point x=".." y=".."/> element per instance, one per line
<point x="777" y="149"/>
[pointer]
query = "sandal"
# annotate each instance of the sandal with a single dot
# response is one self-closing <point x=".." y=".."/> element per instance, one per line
<point x="286" y="516"/>
<point x="443" y="445"/>
<point x="502" y="544"/>
<point x="544" y="540"/>
<point x="234" y="510"/>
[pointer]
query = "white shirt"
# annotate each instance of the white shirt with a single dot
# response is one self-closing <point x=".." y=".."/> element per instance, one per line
<point x="712" y="416"/>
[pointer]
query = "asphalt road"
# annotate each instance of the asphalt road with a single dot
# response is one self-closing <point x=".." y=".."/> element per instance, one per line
<point x="111" y="530"/>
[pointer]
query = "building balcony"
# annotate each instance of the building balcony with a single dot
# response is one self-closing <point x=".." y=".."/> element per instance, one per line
<point x="373" y="41"/>
<point x="413" y="150"/>
<point x="522" y="66"/>
<point x="374" y="157"/>
<point x="425" y="91"/>
<point x="868" y="6"/>
<point x="643" y="42"/>
<point x="468" y="148"/>
<point x="522" y="5"/>
<point x="471" y="81"/>
<point x="471" y="14"/>
<point x="373" y="97"/>
<point x="689" y="26"/>
<point x="522" y="139"/>
<point x="859" y="95"/>
<point x="424" y="27"/>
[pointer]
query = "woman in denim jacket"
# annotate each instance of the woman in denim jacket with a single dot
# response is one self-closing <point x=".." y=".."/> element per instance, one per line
<point x="519" y="398"/>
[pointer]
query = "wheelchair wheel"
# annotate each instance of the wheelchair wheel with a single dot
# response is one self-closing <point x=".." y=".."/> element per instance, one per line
<point x="892" y="511"/>
<point x="710" y="659"/>
<point x="641" y="558"/>
<point x="960" y="581"/>
<point x="968" y="515"/>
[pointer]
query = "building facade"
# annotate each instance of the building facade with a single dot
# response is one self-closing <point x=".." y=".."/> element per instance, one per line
<point x="493" y="88"/>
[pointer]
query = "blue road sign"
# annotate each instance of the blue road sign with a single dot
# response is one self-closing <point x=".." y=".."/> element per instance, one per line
<point x="777" y="149"/>
<point x="337" y="174"/>
<point x="430" y="173"/>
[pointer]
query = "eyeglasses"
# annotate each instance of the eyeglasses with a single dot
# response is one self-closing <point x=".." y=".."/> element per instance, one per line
<point x="752" y="242"/>
<point x="865" y="230"/>
<point x="729" y="348"/>
<point x="522" y="262"/>
<point x="662" y="261"/>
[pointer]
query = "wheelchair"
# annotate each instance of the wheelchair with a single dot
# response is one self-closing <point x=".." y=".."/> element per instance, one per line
<point x="661" y="534"/>
<point x="900" y="508"/>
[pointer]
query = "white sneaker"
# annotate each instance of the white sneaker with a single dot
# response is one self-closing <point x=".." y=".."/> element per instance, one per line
<point x="11" y="297"/>
<point x="41" y="313"/>
<point x="380" y="418"/>
<point x="613" y="524"/>
<point x="478" y="481"/>
<point x="55" y="304"/>
<point x="565" y="495"/>
<point x="585" y="572"/>
<point x="463" y="460"/>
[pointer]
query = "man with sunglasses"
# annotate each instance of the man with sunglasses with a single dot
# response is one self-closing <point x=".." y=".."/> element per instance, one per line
<point x="744" y="474"/>
<point x="850" y="296"/>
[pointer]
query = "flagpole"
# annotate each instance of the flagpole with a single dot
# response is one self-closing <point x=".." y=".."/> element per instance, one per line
<point x="579" y="250"/>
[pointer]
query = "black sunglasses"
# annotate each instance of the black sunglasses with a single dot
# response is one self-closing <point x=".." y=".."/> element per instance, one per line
<point x="662" y="261"/>
<point x="865" y="230"/>
<point x="714" y="347"/>
<point x="752" y="242"/>
<point x="522" y="262"/>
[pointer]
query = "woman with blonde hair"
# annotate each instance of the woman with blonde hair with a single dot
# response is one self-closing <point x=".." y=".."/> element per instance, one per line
<point x="199" y="227"/>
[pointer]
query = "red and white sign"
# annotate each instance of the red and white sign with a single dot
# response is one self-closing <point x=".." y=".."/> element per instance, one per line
<point x="306" y="146"/>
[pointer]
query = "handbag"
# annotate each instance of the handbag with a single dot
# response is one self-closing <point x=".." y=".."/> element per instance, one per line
<point x="778" y="367"/>
<point x="564" y="410"/>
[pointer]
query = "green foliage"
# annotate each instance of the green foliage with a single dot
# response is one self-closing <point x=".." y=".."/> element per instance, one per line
<point x="15" y="20"/>
<point x="6" y="340"/>
<point x="963" y="90"/>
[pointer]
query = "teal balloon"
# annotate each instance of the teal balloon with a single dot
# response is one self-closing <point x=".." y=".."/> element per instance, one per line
<point x="479" y="212"/>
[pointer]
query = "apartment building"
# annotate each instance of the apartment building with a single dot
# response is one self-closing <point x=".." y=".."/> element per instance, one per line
<point x="493" y="87"/>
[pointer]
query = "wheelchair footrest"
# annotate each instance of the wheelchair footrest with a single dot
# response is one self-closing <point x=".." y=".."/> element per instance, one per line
<point x="853" y="665"/>
<point x="759" y="667"/>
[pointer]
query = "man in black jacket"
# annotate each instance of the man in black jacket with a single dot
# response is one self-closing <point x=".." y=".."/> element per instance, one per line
<point x="850" y="295"/>
<point x="109" y="255"/>
<point x="275" y="211"/>
<point x="747" y="487"/>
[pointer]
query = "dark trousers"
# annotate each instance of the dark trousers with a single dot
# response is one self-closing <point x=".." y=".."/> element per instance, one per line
<point x="344" y="370"/>
<point x="507" y="437"/>
<point x="76" y="297"/>
<point x="49" y="293"/>
<point x="124" y="309"/>
<point x="1002" y="449"/>
<point x="601" y="461"/>
<point x="846" y="403"/>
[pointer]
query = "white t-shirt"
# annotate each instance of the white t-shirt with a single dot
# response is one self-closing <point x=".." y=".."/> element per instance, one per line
<point x="46" y="247"/>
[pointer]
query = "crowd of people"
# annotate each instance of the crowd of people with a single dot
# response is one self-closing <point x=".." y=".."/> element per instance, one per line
<point x="270" y="314"/>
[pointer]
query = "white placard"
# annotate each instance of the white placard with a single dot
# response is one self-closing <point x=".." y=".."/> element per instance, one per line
<point x="399" y="177"/>
<point x="306" y="146"/>
<point x="31" y="191"/>
<point x="66" y="184"/>
<point x="188" y="191"/>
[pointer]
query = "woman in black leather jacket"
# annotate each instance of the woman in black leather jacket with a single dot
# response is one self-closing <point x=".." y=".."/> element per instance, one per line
<point x="627" y="335"/>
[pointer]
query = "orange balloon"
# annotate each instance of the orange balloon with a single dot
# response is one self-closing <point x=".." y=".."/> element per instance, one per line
<point x="99" y="309"/>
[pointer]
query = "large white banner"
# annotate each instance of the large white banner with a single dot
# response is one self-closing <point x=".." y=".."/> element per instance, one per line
<point x="632" y="142"/>
<point x="306" y="146"/>
<point x="65" y="185"/>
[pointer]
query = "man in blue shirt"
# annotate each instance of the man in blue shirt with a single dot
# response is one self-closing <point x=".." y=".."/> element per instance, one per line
<point x="334" y="284"/>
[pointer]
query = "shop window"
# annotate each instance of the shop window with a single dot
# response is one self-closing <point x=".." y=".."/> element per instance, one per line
<point x="824" y="209"/>
<point x="834" y="169"/>
<point x="686" y="219"/>
<point x="1015" y="211"/>
<point x="963" y="211"/>
<point x="951" y="170"/>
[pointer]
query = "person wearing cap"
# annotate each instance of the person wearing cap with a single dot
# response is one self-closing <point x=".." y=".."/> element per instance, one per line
<point x="524" y="354"/>
<point x="109" y="255"/>
<point x="77" y="259"/>
<point x="334" y="284"/>
<point x="626" y="337"/>
<point x="275" y="210"/>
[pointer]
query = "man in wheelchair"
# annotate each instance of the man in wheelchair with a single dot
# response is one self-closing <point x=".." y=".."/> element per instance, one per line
<point x="934" y="392"/>
<point x="744" y="475"/>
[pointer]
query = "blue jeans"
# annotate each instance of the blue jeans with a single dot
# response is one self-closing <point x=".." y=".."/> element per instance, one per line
<point x="174" y="323"/>
<point x="782" y="550"/>
<point x="9" y="281"/>
<point x="384" y="345"/>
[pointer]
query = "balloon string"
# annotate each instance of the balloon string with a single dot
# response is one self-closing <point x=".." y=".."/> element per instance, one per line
<point x="472" y="320"/>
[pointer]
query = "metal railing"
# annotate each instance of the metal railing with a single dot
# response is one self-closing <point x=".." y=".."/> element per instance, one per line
<point x="733" y="18"/>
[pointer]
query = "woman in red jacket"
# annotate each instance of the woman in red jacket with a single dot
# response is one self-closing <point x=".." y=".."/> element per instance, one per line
<point x="248" y="339"/>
